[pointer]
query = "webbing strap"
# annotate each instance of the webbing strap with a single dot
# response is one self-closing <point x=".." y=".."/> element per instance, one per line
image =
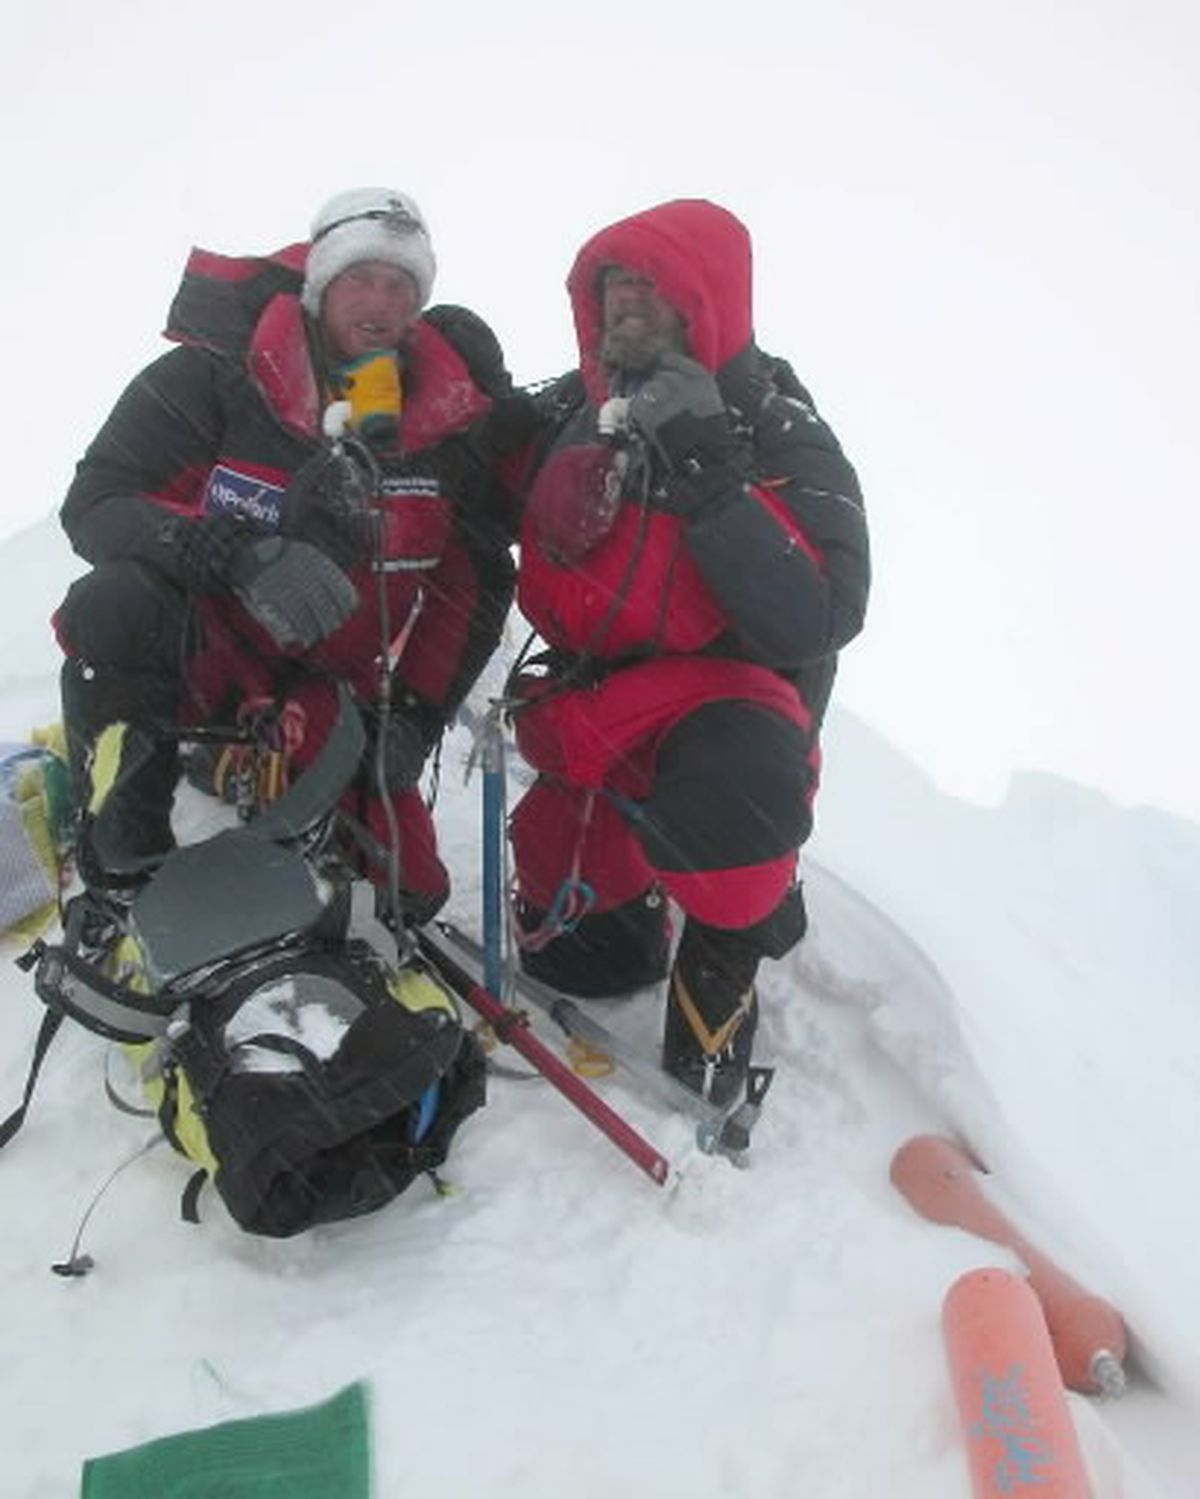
<point x="47" y="1031"/>
<point x="189" y="1201"/>
<point x="70" y="985"/>
<point x="120" y="1103"/>
<point x="712" y="1042"/>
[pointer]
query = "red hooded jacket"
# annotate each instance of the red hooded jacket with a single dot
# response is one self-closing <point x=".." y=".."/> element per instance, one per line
<point x="752" y="601"/>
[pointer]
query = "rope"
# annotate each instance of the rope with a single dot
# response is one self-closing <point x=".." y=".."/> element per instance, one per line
<point x="573" y="899"/>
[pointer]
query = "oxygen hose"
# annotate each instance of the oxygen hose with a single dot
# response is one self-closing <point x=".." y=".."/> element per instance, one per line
<point x="358" y="455"/>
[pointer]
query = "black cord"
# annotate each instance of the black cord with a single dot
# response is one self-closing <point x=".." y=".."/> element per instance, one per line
<point x="383" y="706"/>
<point x="76" y="1264"/>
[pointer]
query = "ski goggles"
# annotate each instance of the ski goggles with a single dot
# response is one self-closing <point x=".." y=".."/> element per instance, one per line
<point x="395" y="218"/>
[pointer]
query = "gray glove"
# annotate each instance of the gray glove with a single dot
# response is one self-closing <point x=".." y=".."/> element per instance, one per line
<point x="680" y="412"/>
<point x="297" y="593"/>
<point x="678" y="388"/>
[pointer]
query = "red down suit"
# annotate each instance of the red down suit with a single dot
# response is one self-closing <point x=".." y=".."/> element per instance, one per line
<point x="674" y="719"/>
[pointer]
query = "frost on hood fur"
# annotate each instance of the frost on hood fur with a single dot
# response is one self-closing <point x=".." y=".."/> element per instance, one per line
<point x="699" y="258"/>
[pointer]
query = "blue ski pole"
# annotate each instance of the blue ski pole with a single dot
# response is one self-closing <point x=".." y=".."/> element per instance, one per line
<point x="492" y="759"/>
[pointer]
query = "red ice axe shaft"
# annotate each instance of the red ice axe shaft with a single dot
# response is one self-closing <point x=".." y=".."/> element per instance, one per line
<point x="511" y="1028"/>
<point x="943" y="1183"/>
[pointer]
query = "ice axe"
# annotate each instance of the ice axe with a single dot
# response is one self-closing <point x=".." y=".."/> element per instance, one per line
<point x="719" y="1131"/>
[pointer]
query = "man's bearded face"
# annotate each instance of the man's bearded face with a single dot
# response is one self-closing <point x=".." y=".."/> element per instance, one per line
<point x="639" y="325"/>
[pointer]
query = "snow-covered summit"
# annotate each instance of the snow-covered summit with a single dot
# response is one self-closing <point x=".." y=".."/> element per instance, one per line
<point x="1023" y="974"/>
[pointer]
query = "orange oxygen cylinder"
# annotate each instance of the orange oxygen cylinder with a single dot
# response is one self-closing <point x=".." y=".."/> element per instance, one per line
<point x="1018" y="1430"/>
<point x="942" y="1182"/>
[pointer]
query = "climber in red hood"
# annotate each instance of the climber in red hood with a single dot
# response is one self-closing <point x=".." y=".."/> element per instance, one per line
<point x="693" y="556"/>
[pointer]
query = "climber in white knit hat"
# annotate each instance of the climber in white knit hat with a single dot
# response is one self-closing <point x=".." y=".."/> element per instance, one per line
<point x="247" y="550"/>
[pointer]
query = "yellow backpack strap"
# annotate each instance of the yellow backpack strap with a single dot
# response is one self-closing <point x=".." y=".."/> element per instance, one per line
<point x="106" y="764"/>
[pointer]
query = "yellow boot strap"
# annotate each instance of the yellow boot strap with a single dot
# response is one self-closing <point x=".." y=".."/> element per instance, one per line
<point x="711" y="1042"/>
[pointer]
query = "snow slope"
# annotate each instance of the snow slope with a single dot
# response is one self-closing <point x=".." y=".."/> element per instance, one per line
<point x="1021" y="974"/>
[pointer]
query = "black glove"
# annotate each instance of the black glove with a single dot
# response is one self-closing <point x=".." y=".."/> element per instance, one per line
<point x="328" y="503"/>
<point x="411" y="731"/>
<point x="202" y="550"/>
<point x="680" y="413"/>
<point x="297" y="593"/>
<point x="512" y="422"/>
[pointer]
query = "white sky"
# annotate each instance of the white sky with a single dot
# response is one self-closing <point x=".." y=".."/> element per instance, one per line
<point x="974" y="238"/>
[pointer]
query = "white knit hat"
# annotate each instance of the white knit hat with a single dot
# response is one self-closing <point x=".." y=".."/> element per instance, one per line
<point x="367" y="223"/>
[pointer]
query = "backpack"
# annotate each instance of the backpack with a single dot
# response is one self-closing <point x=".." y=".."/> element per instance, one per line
<point x="311" y="1085"/>
<point x="309" y="1078"/>
<point x="34" y="817"/>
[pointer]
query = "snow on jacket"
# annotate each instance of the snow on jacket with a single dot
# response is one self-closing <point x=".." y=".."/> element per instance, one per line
<point x="226" y="419"/>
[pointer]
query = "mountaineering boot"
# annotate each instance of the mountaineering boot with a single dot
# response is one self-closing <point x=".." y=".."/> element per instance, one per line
<point x="712" y="1012"/>
<point x="125" y="831"/>
<point x="125" y="823"/>
<point x="123" y="778"/>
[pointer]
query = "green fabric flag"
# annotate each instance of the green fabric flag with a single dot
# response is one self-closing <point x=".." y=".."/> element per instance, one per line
<point x="322" y="1452"/>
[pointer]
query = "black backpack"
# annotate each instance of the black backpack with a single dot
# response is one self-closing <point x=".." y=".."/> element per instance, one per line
<point x="314" y="1084"/>
<point x="308" y="1076"/>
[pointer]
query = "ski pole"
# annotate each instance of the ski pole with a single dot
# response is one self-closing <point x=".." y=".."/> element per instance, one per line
<point x="492" y="759"/>
<point x="510" y="1028"/>
<point x="487" y="752"/>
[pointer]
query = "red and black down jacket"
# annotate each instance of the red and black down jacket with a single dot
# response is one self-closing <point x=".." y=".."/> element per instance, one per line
<point x="231" y="414"/>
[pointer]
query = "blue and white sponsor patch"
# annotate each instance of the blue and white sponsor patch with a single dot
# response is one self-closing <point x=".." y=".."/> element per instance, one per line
<point x="228" y="492"/>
